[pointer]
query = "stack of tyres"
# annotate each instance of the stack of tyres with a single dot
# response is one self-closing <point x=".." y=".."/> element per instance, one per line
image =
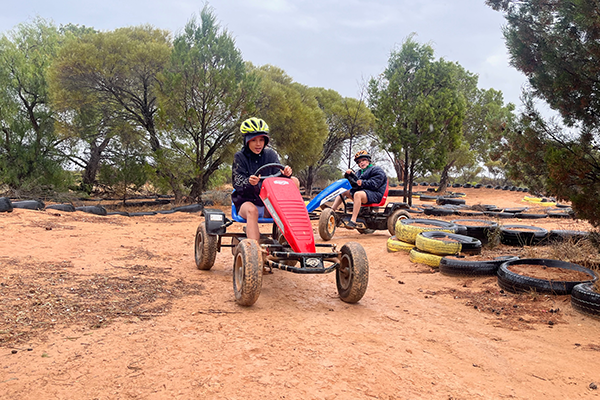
<point x="407" y="230"/>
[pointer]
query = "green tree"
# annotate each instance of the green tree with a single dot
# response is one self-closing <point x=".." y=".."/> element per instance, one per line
<point x="29" y="148"/>
<point x="205" y="93"/>
<point x="347" y="118"/>
<point x="297" y="125"/>
<point x="108" y="79"/>
<point x="419" y="109"/>
<point x="555" y="44"/>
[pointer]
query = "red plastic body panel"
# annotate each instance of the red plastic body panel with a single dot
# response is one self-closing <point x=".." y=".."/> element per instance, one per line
<point x="286" y="206"/>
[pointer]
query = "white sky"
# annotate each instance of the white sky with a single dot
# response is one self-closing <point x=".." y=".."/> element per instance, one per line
<point x="335" y="44"/>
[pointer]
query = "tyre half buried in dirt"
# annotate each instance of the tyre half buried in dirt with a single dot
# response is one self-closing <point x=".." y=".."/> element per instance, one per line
<point x="517" y="283"/>
<point x="445" y="243"/>
<point x="586" y="299"/>
<point x="464" y="267"/>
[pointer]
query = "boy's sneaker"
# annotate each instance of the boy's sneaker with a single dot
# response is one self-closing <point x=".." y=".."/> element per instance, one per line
<point x="351" y="225"/>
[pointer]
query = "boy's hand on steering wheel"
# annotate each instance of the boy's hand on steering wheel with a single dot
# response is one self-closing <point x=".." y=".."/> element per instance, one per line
<point x="287" y="171"/>
<point x="254" y="180"/>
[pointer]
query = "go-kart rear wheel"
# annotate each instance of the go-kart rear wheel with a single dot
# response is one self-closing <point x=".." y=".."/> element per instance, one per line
<point x="205" y="248"/>
<point x="247" y="272"/>
<point x="394" y="217"/>
<point x="352" y="276"/>
<point x="327" y="224"/>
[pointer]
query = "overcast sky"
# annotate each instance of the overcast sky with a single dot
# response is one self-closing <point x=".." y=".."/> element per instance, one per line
<point x="335" y="44"/>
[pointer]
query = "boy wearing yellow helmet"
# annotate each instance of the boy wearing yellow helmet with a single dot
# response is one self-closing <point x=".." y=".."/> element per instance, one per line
<point x="370" y="185"/>
<point x="247" y="185"/>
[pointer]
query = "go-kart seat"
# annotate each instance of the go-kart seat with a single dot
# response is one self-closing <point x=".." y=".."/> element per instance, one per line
<point x="383" y="199"/>
<point x="236" y="217"/>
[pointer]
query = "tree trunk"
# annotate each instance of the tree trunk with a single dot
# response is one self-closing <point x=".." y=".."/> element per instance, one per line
<point x="90" y="171"/>
<point x="310" y="176"/>
<point x="444" y="178"/>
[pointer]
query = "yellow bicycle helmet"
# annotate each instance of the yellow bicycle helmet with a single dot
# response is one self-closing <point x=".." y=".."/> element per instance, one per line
<point x="254" y="127"/>
<point x="362" y="154"/>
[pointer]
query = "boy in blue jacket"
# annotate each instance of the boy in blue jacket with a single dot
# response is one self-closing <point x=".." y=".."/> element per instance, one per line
<point x="370" y="185"/>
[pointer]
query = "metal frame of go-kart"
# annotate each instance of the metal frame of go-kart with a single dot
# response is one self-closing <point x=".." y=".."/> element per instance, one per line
<point x="370" y="217"/>
<point x="273" y="251"/>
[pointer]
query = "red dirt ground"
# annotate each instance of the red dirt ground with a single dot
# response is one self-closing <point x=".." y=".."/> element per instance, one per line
<point x="114" y="308"/>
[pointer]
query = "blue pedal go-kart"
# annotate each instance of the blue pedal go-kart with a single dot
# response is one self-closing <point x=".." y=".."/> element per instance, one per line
<point x="371" y="217"/>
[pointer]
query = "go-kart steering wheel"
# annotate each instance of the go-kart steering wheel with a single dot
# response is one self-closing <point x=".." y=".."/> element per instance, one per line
<point x="270" y="165"/>
<point x="352" y="178"/>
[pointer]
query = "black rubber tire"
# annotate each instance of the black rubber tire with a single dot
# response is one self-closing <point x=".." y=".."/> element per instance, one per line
<point x="205" y="248"/>
<point x="142" y="213"/>
<point x="585" y="299"/>
<point x="522" y="235"/>
<point x="352" y="275"/>
<point x="530" y="215"/>
<point x="29" y="204"/>
<point x="515" y="210"/>
<point x="444" y="243"/>
<point x="97" y="210"/>
<point x="327" y="224"/>
<point x="123" y="213"/>
<point x="450" y="200"/>
<point x="516" y="283"/>
<point x="498" y="214"/>
<point x="5" y="204"/>
<point x="394" y="217"/>
<point x="191" y="208"/>
<point x="477" y="228"/>
<point x="559" y="235"/>
<point x="438" y="212"/>
<point x="247" y="272"/>
<point x="464" y="267"/>
<point x="61" y="207"/>
<point x="407" y="229"/>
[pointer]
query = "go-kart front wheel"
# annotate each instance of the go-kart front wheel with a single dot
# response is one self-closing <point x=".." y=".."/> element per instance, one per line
<point x="247" y="272"/>
<point x="352" y="276"/>
<point x="327" y="224"/>
<point x="205" y="248"/>
<point x="394" y="217"/>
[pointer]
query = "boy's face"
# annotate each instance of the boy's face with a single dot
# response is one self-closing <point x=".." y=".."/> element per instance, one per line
<point x="257" y="144"/>
<point x="363" y="162"/>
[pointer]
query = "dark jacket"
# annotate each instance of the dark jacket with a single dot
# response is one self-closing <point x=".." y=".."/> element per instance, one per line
<point x="245" y="163"/>
<point x="374" y="182"/>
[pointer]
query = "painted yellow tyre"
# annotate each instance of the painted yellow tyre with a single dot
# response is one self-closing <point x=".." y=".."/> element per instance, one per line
<point x="394" y="245"/>
<point x="408" y="229"/>
<point x="444" y="243"/>
<point x="420" y="257"/>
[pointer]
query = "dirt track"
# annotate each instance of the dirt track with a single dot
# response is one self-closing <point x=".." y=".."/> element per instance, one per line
<point x="158" y="328"/>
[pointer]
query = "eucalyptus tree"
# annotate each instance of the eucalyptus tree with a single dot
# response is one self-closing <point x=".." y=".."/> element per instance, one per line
<point x="347" y="119"/>
<point x="104" y="80"/>
<point x="298" y="127"/>
<point x="555" y="44"/>
<point x="206" y="91"/>
<point x="29" y="148"/>
<point x="419" y="109"/>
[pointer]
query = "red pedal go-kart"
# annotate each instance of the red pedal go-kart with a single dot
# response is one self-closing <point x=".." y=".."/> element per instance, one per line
<point x="290" y="246"/>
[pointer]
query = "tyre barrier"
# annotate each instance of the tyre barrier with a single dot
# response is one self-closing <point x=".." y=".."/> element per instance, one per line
<point x="517" y="283"/>
<point x="5" y="204"/>
<point x="561" y="235"/>
<point x="523" y="215"/>
<point x="586" y="299"/>
<point x="522" y="235"/>
<point x="499" y="214"/>
<point x="408" y="229"/>
<point x="97" y="210"/>
<point x="61" y="207"/>
<point x="394" y="245"/>
<point x="444" y="243"/>
<point x="29" y="204"/>
<point x="438" y="211"/>
<point x="450" y="200"/>
<point x="419" y="257"/>
<point x="462" y="266"/>
<point x="477" y="228"/>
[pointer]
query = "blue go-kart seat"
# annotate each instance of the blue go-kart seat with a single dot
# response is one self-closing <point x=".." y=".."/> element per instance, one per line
<point x="236" y="217"/>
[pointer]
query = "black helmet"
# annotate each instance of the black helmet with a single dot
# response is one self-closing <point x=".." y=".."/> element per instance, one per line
<point x="362" y="154"/>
